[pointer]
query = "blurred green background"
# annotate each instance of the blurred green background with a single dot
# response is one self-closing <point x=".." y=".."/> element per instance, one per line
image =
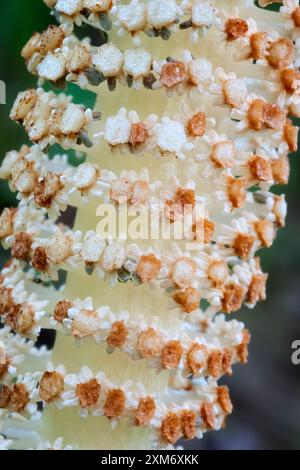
<point x="266" y="393"/>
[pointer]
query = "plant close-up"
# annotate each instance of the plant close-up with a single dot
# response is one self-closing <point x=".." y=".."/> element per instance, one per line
<point x="157" y="139"/>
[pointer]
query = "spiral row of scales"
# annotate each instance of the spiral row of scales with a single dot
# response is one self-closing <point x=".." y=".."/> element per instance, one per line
<point x="96" y="432"/>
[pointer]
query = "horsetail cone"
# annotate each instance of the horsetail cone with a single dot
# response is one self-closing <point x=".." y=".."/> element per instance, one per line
<point x="191" y="127"/>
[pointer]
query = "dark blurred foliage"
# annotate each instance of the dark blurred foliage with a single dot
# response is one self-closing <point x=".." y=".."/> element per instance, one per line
<point x="266" y="393"/>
